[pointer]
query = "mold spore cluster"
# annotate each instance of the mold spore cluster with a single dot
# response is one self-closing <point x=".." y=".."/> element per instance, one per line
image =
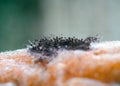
<point x="48" y="46"/>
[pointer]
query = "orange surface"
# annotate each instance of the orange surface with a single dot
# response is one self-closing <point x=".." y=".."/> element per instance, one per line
<point x="99" y="66"/>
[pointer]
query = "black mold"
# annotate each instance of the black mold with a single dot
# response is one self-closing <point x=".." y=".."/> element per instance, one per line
<point x="48" y="46"/>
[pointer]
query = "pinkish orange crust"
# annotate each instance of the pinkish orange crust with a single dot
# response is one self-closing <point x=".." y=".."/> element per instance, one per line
<point x="99" y="65"/>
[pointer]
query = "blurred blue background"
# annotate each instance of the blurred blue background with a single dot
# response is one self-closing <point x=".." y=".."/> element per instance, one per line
<point x="23" y="20"/>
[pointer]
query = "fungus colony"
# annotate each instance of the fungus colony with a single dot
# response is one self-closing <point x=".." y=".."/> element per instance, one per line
<point x="48" y="46"/>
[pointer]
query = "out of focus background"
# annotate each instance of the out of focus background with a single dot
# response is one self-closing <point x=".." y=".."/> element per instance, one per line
<point x="23" y="20"/>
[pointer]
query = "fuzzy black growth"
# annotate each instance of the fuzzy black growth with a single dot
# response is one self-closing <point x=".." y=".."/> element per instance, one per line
<point x="48" y="46"/>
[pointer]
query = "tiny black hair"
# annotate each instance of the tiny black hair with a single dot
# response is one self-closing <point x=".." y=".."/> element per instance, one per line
<point x="48" y="46"/>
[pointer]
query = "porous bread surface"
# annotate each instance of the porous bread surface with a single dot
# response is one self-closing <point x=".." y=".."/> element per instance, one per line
<point x="99" y="66"/>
